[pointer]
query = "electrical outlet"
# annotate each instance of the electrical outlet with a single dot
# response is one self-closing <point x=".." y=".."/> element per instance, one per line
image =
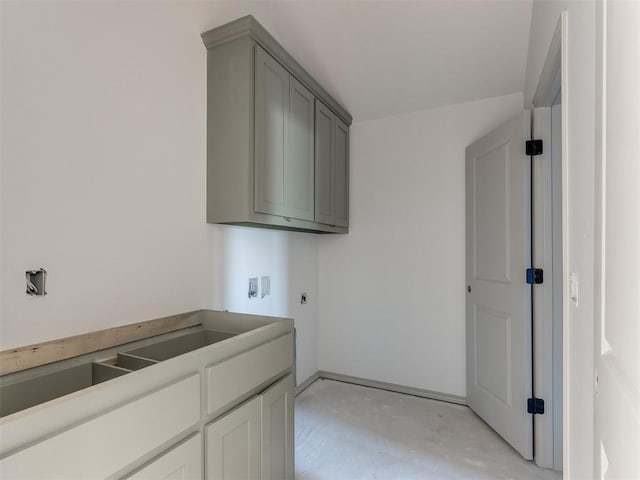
<point x="253" y="287"/>
<point x="303" y="298"/>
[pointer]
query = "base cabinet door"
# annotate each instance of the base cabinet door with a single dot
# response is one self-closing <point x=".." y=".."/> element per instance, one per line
<point x="233" y="444"/>
<point x="183" y="462"/>
<point x="277" y="431"/>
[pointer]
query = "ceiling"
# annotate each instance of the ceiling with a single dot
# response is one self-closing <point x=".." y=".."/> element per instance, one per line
<point x="382" y="58"/>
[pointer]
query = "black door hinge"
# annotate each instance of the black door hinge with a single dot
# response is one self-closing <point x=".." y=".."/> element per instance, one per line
<point x="535" y="406"/>
<point x="535" y="276"/>
<point x="533" y="147"/>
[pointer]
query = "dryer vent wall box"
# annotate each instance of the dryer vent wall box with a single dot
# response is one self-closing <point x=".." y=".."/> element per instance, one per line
<point x="36" y="282"/>
<point x="259" y="96"/>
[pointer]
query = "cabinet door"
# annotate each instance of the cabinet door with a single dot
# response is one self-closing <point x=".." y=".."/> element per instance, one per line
<point x="271" y="133"/>
<point x="325" y="126"/>
<point x="277" y="431"/>
<point x="183" y="462"/>
<point x="233" y="444"/>
<point x="332" y="168"/>
<point x="341" y="175"/>
<point x="299" y="164"/>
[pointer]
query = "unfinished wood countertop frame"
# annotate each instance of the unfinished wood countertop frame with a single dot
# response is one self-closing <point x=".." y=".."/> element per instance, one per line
<point x="22" y="358"/>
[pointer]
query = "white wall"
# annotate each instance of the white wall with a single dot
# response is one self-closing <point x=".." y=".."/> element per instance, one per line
<point x="579" y="96"/>
<point x="103" y="145"/>
<point x="617" y="286"/>
<point x="103" y="109"/>
<point x="392" y="291"/>
<point x="290" y="260"/>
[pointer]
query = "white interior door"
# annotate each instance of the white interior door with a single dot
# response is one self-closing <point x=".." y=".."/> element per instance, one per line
<point x="498" y="307"/>
<point x="617" y="326"/>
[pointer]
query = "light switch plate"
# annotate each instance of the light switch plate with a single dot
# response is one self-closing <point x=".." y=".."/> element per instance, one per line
<point x="573" y="287"/>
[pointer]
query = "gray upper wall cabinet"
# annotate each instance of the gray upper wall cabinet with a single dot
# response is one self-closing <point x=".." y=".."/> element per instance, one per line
<point x="277" y="142"/>
<point x="325" y="142"/>
<point x="341" y="175"/>
<point x="283" y="141"/>
<point x="271" y="134"/>
<point x="332" y="168"/>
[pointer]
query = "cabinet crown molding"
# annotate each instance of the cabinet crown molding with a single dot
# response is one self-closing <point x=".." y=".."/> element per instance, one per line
<point x="248" y="26"/>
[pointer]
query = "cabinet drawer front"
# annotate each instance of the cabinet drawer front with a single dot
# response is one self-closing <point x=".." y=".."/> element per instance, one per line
<point x="183" y="462"/>
<point x="108" y="443"/>
<point x="232" y="378"/>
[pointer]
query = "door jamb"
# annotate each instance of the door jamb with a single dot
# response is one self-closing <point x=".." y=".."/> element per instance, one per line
<point x="543" y="298"/>
<point x="552" y="79"/>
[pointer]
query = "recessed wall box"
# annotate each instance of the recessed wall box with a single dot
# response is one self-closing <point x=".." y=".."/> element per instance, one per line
<point x="266" y="286"/>
<point x="253" y="287"/>
<point x="36" y="282"/>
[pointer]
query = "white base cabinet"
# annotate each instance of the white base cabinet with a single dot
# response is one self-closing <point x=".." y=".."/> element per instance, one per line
<point x="254" y="441"/>
<point x="222" y="411"/>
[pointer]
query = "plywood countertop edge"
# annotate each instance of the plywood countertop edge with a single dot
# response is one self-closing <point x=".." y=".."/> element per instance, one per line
<point x="22" y="358"/>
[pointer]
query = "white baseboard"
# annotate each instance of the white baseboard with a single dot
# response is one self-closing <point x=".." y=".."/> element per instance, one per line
<point x="392" y="387"/>
<point x="303" y="386"/>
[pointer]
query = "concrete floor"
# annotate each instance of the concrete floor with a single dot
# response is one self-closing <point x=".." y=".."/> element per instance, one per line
<point x="350" y="432"/>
